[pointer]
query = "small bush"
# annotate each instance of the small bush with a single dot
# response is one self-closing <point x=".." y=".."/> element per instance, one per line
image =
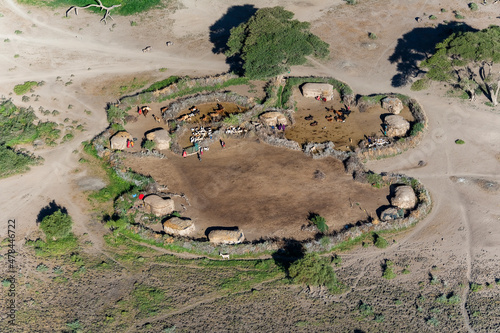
<point x="133" y="23"/>
<point x="459" y="142"/>
<point x="380" y="242"/>
<point x="57" y="225"/>
<point x="22" y="89"/>
<point x="459" y="16"/>
<point x="314" y="270"/>
<point x="405" y="271"/>
<point x="432" y="17"/>
<point x="418" y="127"/>
<point x="432" y="321"/>
<point x="42" y="268"/>
<point x="18" y="32"/>
<point x="319" y="222"/>
<point x="351" y="2"/>
<point x="388" y="271"/>
<point x="473" y="6"/>
<point x="371" y="35"/>
<point x="365" y="310"/>
<point x="68" y="137"/>
<point x="475" y="287"/>
<point x="148" y="144"/>
<point x="420" y="84"/>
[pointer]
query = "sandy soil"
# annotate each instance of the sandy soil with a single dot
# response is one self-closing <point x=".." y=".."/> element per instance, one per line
<point x="264" y="190"/>
<point x="461" y="234"/>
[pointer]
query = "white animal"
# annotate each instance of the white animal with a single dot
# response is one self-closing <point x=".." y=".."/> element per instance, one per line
<point x="224" y="256"/>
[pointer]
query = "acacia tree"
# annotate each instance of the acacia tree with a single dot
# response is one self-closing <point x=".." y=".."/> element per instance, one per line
<point x="464" y="57"/>
<point x="270" y="42"/>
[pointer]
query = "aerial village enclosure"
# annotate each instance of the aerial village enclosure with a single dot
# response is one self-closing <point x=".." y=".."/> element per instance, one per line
<point x="255" y="171"/>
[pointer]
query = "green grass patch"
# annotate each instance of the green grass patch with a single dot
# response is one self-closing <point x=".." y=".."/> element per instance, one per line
<point x="474" y="287"/>
<point x="420" y="84"/>
<point x="375" y="179"/>
<point x="162" y="84"/>
<point x="459" y="142"/>
<point x="416" y="128"/>
<point x="314" y="270"/>
<point x="379" y="241"/>
<point x="198" y="89"/>
<point x="13" y="162"/>
<point x="21" y="89"/>
<point x="148" y="300"/>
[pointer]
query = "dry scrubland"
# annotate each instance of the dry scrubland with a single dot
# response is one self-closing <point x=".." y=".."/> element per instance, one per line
<point x="439" y="276"/>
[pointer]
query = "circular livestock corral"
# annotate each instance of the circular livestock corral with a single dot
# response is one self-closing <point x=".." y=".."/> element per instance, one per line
<point x="344" y="125"/>
<point x="266" y="191"/>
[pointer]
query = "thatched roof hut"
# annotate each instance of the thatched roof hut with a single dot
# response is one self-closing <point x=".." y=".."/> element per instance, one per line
<point x="392" y="104"/>
<point x="161" y="138"/>
<point x="404" y="197"/>
<point x="179" y="226"/>
<point x="119" y="140"/>
<point x="273" y="118"/>
<point x="220" y="236"/>
<point x="155" y="204"/>
<point x="324" y="90"/>
<point x="396" y="126"/>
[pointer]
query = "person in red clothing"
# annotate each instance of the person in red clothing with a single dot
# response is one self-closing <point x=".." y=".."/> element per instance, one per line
<point x="184" y="154"/>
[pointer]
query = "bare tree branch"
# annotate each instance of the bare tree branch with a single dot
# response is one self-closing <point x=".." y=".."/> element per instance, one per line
<point x="99" y="5"/>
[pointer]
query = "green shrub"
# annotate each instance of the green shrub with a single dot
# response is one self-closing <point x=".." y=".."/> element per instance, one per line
<point x="432" y="17"/>
<point x="68" y="137"/>
<point x="365" y="310"/>
<point x="314" y="270"/>
<point x="148" y="144"/>
<point x="18" y="32"/>
<point x="416" y="128"/>
<point x="475" y="287"/>
<point x="420" y="84"/>
<point x="57" y="225"/>
<point x="459" y="16"/>
<point x="388" y="271"/>
<point x="162" y="84"/>
<point x="432" y="321"/>
<point x="21" y="89"/>
<point x="319" y="222"/>
<point x="133" y="23"/>
<point x="42" y="268"/>
<point x="375" y="179"/>
<point x="459" y="142"/>
<point x="473" y="6"/>
<point x="379" y="242"/>
<point x="371" y="35"/>
<point x="13" y="162"/>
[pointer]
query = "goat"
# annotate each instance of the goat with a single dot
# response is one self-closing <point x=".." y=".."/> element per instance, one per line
<point x="146" y="49"/>
<point x="314" y="123"/>
<point x="157" y="119"/>
<point x="309" y="117"/>
<point x="224" y="256"/>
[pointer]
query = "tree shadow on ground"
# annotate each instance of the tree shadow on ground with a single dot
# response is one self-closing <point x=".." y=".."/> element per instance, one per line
<point x="221" y="30"/>
<point x="291" y="251"/>
<point x="50" y="209"/>
<point x="418" y="45"/>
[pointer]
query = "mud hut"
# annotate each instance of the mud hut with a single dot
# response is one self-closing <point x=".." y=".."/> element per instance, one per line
<point x="161" y="138"/>
<point x="119" y="140"/>
<point x="273" y="118"/>
<point x="323" y="90"/>
<point x="392" y="104"/>
<point x="404" y="197"/>
<point x="179" y="226"/>
<point x="220" y="236"/>
<point x="155" y="204"/>
<point x="396" y="126"/>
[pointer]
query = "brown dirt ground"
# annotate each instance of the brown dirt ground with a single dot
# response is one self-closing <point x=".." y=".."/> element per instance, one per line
<point x="345" y="135"/>
<point x="264" y="190"/>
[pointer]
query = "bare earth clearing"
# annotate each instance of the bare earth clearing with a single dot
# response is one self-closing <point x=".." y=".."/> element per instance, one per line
<point x="458" y="243"/>
<point x="264" y="190"/>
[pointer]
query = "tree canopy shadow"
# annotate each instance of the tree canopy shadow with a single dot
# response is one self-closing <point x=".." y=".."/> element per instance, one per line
<point x="291" y="251"/>
<point x="418" y="45"/>
<point x="221" y="30"/>
<point x="50" y="209"/>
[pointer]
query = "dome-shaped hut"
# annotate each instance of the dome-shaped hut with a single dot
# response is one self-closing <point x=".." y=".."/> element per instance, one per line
<point x="404" y="197"/>
<point x="155" y="204"/>
<point x="220" y="236"/>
